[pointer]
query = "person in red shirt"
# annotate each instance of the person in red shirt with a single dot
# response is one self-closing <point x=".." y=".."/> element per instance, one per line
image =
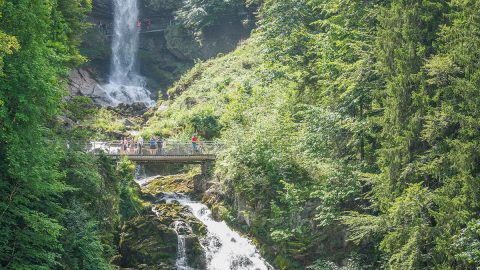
<point x="194" y="143"/>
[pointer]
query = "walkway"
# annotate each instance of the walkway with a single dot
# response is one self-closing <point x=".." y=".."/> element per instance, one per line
<point x="169" y="152"/>
<point x="155" y="26"/>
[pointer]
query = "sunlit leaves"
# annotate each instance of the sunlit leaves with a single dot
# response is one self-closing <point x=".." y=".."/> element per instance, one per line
<point x="197" y="15"/>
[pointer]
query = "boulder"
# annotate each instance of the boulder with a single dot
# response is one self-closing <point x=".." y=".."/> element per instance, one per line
<point x="145" y="242"/>
<point x="82" y="83"/>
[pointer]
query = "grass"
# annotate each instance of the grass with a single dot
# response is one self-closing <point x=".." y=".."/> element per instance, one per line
<point x="205" y="92"/>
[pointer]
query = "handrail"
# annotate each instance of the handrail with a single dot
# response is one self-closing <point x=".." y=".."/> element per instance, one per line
<point x="165" y="148"/>
<point x="154" y="26"/>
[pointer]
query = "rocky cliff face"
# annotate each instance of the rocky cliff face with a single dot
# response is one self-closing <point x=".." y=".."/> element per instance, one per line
<point x="163" y="56"/>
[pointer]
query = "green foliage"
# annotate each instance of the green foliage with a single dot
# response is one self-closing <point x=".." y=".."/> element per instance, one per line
<point x="206" y="124"/>
<point x="321" y="264"/>
<point x="406" y="93"/>
<point x="100" y="199"/>
<point x="357" y="115"/>
<point x="351" y="127"/>
<point x="8" y="45"/>
<point x="199" y="14"/>
<point x="202" y="93"/>
<point x="82" y="245"/>
<point x="30" y="178"/>
<point x="408" y="222"/>
<point x="131" y="203"/>
<point x="80" y="108"/>
<point x="467" y="245"/>
<point x="107" y="121"/>
<point x="59" y="207"/>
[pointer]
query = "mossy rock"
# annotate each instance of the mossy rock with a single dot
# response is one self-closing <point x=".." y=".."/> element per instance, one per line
<point x="195" y="254"/>
<point x="182" y="183"/>
<point x="145" y="241"/>
<point x="220" y="212"/>
<point x="169" y="213"/>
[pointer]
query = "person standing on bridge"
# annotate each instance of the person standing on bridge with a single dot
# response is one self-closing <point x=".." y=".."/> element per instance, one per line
<point x="160" y="145"/>
<point x="131" y="144"/>
<point x="194" y="144"/>
<point x="124" y="145"/>
<point x="140" y="144"/>
<point x="148" y="23"/>
<point x="153" y="145"/>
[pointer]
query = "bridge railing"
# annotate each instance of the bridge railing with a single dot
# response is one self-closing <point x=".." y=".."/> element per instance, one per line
<point x="155" y="26"/>
<point x="165" y="148"/>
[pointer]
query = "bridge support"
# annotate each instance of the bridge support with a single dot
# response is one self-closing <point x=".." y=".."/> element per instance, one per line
<point x="204" y="168"/>
<point x="200" y="182"/>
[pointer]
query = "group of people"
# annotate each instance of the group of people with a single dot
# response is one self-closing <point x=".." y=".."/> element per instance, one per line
<point x="107" y="28"/>
<point x="145" y="23"/>
<point x="129" y="145"/>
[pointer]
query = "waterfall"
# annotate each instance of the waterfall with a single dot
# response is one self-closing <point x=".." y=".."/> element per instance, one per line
<point x="182" y="230"/>
<point x="125" y="84"/>
<point x="225" y="249"/>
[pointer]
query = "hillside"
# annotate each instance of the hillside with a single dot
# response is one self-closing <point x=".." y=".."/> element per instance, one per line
<point x="345" y="133"/>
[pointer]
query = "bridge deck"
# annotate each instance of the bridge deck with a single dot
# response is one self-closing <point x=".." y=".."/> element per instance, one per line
<point x="142" y="31"/>
<point x="164" y="152"/>
<point x="191" y="159"/>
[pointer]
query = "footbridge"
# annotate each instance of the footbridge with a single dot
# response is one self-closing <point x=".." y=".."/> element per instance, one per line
<point x="160" y="152"/>
<point x="144" y="26"/>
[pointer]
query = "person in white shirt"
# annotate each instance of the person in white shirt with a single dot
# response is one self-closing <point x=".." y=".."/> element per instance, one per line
<point x="140" y="144"/>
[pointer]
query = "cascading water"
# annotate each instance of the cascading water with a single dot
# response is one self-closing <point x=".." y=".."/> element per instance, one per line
<point x="125" y="84"/>
<point x="225" y="249"/>
<point x="182" y="230"/>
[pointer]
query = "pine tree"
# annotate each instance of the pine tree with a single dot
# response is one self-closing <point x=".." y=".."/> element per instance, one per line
<point x="405" y="39"/>
<point x="407" y="30"/>
<point x="452" y="128"/>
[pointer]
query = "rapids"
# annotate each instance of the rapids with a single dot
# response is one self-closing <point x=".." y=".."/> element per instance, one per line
<point x="225" y="249"/>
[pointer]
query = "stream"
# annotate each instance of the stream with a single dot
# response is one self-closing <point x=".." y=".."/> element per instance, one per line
<point x="225" y="249"/>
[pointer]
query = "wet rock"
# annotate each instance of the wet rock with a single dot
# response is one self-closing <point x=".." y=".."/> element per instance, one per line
<point x="169" y="214"/>
<point x="82" y="83"/>
<point x="212" y="243"/>
<point x="148" y="197"/>
<point x="145" y="241"/>
<point x="130" y="110"/>
<point x="182" y="229"/>
<point x="195" y="254"/>
<point x="240" y="262"/>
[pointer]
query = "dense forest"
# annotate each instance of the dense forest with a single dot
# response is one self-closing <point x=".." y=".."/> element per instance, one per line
<point x="352" y="131"/>
<point x="347" y="119"/>
<point x="59" y="207"/>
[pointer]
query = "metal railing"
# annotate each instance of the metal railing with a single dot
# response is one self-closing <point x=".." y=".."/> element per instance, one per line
<point x="154" y="26"/>
<point x="163" y="148"/>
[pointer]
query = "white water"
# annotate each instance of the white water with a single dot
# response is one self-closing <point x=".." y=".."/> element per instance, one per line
<point x="225" y="249"/>
<point x="182" y="230"/>
<point x="125" y="84"/>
